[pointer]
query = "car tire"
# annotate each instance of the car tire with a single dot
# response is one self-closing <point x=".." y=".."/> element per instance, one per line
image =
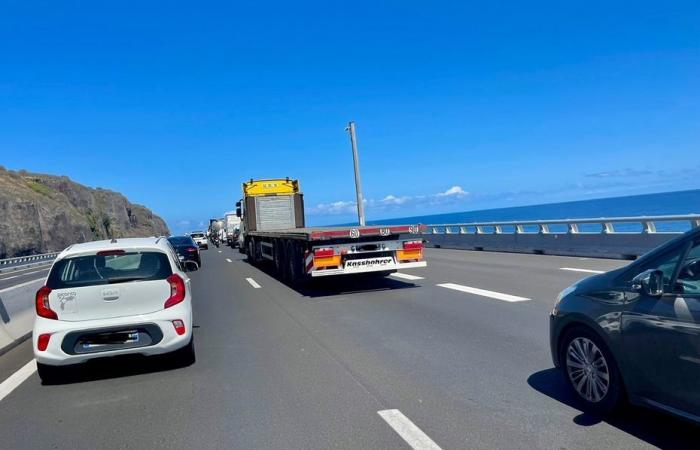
<point x="185" y="356"/>
<point x="586" y="362"/>
<point x="48" y="374"/>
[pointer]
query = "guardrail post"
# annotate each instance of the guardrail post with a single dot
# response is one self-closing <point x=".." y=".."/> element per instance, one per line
<point x="462" y="230"/>
<point x="649" y="227"/>
<point x="433" y="230"/>
<point x="695" y="223"/>
<point x="519" y="229"/>
<point x="544" y="228"/>
<point x="448" y="230"/>
<point x="499" y="229"/>
<point x="608" y="228"/>
<point x="573" y="228"/>
<point x="479" y="230"/>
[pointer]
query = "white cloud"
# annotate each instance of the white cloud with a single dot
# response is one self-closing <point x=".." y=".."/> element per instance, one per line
<point x="391" y="201"/>
<point x="454" y="191"/>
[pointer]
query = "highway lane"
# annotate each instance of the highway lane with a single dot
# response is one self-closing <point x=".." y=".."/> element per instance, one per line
<point x="14" y="277"/>
<point x="278" y="368"/>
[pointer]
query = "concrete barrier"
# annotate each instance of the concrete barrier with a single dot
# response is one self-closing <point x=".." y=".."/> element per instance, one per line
<point x="618" y="237"/>
<point x="17" y="313"/>
<point x="618" y="246"/>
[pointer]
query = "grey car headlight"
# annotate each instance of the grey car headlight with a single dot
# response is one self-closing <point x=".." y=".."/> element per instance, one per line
<point x="561" y="295"/>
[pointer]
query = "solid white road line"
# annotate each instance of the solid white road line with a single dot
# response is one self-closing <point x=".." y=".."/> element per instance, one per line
<point x="484" y="293"/>
<point x="17" y="378"/>
<point x="219" y="251"/>
<point x="573" y="269"/>
<point x="228" y="259"/>
<point x="21" y="275"/>
<point x="253" y="283"/>
<point x="20" y="285"/>
<point x="408" y="430"/>
<point x="38" y="266"/>
<point x="406" y="276"/>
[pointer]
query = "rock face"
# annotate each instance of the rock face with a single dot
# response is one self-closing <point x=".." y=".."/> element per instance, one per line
<point x="45" y="213"/>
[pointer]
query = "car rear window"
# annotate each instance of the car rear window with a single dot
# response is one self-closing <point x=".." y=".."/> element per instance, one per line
<point x="181" y="240"/>
<point x="92" y="270"/>
<point x="197" y="235"/>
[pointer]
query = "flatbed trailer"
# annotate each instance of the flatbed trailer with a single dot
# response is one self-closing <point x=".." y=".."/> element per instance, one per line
<point x="273" y="229"/>
<point x="303" y="253"/>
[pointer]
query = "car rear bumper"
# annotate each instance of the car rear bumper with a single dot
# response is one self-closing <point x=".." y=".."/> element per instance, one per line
<point x="159" y="325"/>
<point x="382" y="268"/>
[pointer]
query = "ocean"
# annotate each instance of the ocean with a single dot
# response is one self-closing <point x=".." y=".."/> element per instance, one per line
<point x="665" y="203"/>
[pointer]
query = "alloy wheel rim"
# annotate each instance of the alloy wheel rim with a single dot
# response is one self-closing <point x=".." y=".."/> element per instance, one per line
<point x="587" y="369"/>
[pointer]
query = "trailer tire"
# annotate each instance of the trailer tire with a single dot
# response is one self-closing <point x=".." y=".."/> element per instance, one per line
<point x="295" y="275"/>
<point x="251" y="252"/>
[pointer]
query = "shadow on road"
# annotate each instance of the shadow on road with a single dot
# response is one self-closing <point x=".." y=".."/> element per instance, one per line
<point x="339" y="285"/>
<point x="115" y="367"/>
<point x="660" y="430"/>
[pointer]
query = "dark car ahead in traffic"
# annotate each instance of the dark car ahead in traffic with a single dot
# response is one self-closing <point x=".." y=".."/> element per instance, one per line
<point x="635" y="332"/>
<point x="186" y="249"/>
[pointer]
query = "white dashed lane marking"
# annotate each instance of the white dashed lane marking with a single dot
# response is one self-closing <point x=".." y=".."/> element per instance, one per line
<point x="17" y="378"/>
<point x="228" y="259"/>
<point x="408" y="430"/>
<point x="406" y="276"/>
<point x="484" y="293"/>
<point x="573" y="269"/>
<point x="253" y="283"/>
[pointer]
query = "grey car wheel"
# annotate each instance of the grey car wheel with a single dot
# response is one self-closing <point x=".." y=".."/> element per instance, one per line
<point x="591" y="371"/>
<point x="587" y="369"/>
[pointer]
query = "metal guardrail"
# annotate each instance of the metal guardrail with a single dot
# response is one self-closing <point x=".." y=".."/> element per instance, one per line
<point x="19" y="260"/>
<point x="606" y="237"/>
<point x="608" y="225"/>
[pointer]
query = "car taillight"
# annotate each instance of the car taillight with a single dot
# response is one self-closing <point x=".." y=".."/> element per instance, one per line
<point x="323" y="252"/>
<point x="42" y="304"/>
<point x="42" y="342"/>
<point x="191" y="249"/>
<point x="177" y="291"/>
<point x="179" y="327"/>
<point x="413" y="245"/>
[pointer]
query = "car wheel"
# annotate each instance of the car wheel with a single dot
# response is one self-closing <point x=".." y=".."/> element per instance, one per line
<point x="591" y="371"/>
<point x="48" y="374"/>
<point x="184" y="356"/>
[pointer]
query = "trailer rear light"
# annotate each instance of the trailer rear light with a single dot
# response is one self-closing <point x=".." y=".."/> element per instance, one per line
<point x="323" y="253"/>
<point x="412" y="251"/>
<point x="413" y="245"/>
<point x="110" y="252"/>
<point x="42" y="343"/>
<point x="179" y="327"/>
<point x="177" y="291"/>
<point x="42" y="304"/>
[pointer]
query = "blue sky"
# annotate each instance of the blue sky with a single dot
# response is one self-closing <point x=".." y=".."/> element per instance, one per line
<point x="459" y="105"/>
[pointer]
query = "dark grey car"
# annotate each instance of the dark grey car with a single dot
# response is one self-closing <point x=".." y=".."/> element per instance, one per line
<point x="635" y="332"/>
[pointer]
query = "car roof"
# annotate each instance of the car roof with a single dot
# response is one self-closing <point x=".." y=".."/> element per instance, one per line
<point x="155" y="243"/>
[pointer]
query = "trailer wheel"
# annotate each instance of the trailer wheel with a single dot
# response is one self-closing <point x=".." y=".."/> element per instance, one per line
<point x="280" y="254"/>
<point x="251" y="252"/>
<point x="295" y="275"/>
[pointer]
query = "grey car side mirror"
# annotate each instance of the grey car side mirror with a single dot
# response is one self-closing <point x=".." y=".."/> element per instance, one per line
<point x="650" y="282"/>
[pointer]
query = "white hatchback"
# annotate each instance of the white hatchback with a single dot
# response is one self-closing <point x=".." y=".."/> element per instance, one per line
<point x="109" y="298"/>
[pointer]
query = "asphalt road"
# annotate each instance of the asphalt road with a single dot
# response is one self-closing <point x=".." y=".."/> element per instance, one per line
<point x="17" y="276"/>
<point x="278" y="368"/>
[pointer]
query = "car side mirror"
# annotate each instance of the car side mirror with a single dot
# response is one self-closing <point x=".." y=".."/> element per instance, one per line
<point x="650" y="282"/>
<point x="238" y="211"/>
<point x="191" y="266"/>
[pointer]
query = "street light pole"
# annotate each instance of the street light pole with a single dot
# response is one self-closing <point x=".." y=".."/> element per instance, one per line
<point x="358" y="183"/>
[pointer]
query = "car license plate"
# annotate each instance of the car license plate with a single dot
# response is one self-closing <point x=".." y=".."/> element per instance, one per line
<point x="360" y="265"/>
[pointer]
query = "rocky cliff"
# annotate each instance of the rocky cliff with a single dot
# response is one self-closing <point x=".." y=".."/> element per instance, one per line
<point x="45" y="213"/>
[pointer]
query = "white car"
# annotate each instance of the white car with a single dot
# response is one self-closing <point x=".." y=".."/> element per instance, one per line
<point x="108" y="298"/>
<point x="200" y="238"/>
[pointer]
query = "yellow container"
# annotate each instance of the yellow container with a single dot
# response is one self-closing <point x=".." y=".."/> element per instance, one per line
<point x="281" y="186"/>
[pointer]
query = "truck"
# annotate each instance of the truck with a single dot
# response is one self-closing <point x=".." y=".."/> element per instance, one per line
<point x="273" y="229"/>
<point x="232" y="225"/>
